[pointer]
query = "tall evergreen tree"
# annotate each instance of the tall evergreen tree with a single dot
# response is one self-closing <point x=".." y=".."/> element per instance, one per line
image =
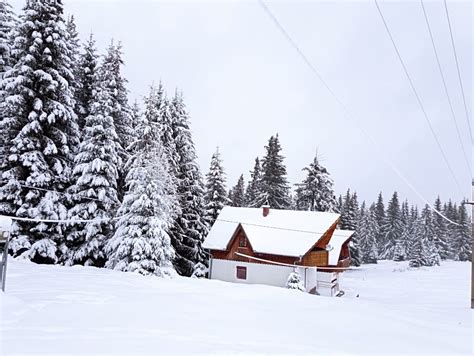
<point x="316" y="192"/>
<point x="94" y="191"/>
<point x="253" y="187"/>
<point x="424" y="250"/>
<point x="353" y="224"/>
<point x="380" y="214"/>
<point x="39" y="117"/>
<point x="141" y="242"/>
<point x="462" y="242"/>
<point x="190" y="228"/>
<point x="392" y="228"/>
<point x="440" y="231"/>
<point x="74" y="48"/>
<point x="216" y="196"/>
<point x="87" y="81"/>
<point x="237" y="197"/>
<point x="273" y="188"/>
<point x="368" y="230"/>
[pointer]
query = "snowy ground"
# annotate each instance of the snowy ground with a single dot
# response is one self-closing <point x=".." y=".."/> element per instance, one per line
<point x="80" y="310"/>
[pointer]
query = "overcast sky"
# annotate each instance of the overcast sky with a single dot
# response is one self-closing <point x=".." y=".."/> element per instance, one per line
<point x="243" y="82"/>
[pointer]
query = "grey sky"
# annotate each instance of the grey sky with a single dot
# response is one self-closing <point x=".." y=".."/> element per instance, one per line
<point x="243" y="82"/>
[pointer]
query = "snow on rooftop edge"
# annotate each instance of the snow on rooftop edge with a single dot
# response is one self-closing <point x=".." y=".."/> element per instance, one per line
<point x="263" y="232"/>
<point x="337" y="240"/>
<point x="5" y="223"/>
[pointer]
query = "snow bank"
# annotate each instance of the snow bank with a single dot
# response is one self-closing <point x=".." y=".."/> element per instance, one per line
<point x="83" y="310"/>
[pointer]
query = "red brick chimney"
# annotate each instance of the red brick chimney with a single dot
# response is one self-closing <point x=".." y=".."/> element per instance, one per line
<point x="265" y="210"/>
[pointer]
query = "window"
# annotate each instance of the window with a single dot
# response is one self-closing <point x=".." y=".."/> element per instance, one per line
<point x="241" y="272"/>
<point x="243" y="242"/>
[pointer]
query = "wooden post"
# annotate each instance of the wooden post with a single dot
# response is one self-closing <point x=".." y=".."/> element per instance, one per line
<point x="4" y="258"/>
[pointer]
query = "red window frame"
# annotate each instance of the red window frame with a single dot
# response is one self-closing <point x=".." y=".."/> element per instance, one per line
<point x="241" y="272"/>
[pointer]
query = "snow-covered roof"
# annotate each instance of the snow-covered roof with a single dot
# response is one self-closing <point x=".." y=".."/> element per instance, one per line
<point x="337" y="240"/>
<point x="5" y="223"/>
<point x="281" y="232"/>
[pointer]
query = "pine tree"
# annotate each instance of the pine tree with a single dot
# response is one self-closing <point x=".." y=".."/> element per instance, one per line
<point x="392" y="228"/>
<point x="141" y="242"/>
<point x="408" y="237"/>
<point x="253" y="187"/>
<point x="368" y="236"/>
<point x="87" y="81"/>
<point x="273" y="188"/>
<point x="424" y="250"/>
<point x="42" y="130"/>
<point x="462" y="242"/>
<point x="353" y="224"/>
<point x="380" y="213"/>
<point x="440" y="231"/>
<point x="316" y="192"/>
<point x="94" y="191"/>
<point x="295" y="282"/>
<point x="73" y="47"/>
<point x="215" y="197"/>
<point x="237" y="197"/>
<point x="190" y="228"/>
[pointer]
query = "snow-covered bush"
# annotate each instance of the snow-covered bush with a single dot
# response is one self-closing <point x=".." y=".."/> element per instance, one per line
<point x="295" y="282"/>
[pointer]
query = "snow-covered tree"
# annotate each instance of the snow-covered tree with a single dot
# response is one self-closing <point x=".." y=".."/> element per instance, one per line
<point x="87" y="81"/>
<point x="316" y="192"/>
<point x="94" y="192"/>
<point x="353" y="224"/>
<point x="424" y="250"/>
<point x="440" y="231"/>
<point x="462" y="242"/>
<point x="273" y="188"/>
<point x="367" y="232"/>
<point x="237" y="196"/>
<point x="380" y="214"/>
<point x="141" y="242"/>
<point x="42" y="129"/>
<point x="253" y="187"/>
<point x="295" y="282"/>
<point x="216" y="192"/>
<point x="73" y="47"/>
<point x="392" y="228"/>
<point x="190" y="228"/>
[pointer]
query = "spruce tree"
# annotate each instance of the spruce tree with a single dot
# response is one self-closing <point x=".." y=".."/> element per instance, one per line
<point x="380" y="213"/>
<point x="368" y="230"/>
<point x="94" y="191"/>
<point x="237" y="197"/>
<point x="216" y="196"/>
<point x="353" y="224"/>
<point x="190" y="228"/>
<point x="462" y="242"/>
<point x="74" y="48"/>
<point x="424" y="251"/>
<point x="392" y="228"/>
<point x="141" y="242"/>
<point x="253" y="187"/>
<point x="273" y="188"/>
<point x="440" y="231"/>
<point x="42" y="130"/>
<point x="295" y="282"/>
<point x="316" y="192"/>
<point x="87" y="81"/>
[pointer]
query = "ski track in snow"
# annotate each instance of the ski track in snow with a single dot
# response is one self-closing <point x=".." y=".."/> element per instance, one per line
<point x="83" y="310"/>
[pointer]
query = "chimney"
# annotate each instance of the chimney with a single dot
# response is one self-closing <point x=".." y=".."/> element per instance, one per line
<point x="265" y="210"/>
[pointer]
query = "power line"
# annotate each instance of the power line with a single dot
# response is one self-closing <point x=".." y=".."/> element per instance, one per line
<point x="453" y="115"/>
<point x="459" y="72"/>
<point x="418" y="97"/>
<point x="347" y="112"/>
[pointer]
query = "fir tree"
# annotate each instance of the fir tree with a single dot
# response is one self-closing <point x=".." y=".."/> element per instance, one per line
<point x="392" y="228"/>
<point x="237" y="197"/>
<point x="368" y="230"/>
<point x="87" y="81"/>
<point x="380" y="213"/>
<point x="95" y="185"/>
<point x="215" y="197"/>
<point x="353" y="224"/>
<point x="190" y="228"/>
<point x="462" y="241"/>
<point x="73" y="42"/>
<point x="424" y="250"/>
<point x="42" y="130"/>
<point x="273" y="188"/>
<point x="141" y="242"/>
<point x="440" y="231"/>
<point x="316" y="192"/>
<point x="253" y="187"/>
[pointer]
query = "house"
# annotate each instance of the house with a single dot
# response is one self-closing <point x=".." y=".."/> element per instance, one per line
<point x="251" y="245"/>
